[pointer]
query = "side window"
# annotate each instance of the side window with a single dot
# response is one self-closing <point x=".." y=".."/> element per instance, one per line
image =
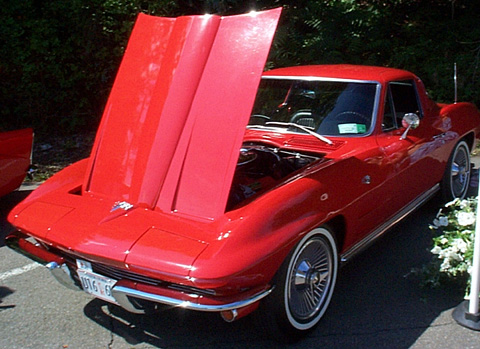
<point x="389" y="115"/>
<point x="401" y="99"/>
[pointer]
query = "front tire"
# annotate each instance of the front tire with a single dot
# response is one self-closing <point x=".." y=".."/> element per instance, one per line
<point x="304" y="287"/>
<point x="456" y="179"/>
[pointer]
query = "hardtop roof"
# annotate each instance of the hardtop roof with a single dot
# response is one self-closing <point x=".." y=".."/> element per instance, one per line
<point x="343" y="71"/>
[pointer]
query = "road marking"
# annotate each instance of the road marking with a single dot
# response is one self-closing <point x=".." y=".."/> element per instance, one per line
<point x="19" y="271"/>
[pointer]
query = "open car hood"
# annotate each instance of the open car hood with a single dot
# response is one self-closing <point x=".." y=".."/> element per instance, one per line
<point x="172" y="128"/>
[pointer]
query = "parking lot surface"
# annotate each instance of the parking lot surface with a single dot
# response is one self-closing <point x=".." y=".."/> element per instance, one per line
<point x="378" y="303"/>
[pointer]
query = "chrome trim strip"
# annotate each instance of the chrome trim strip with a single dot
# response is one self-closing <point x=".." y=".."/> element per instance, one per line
<point x="369" y="239"/>
<point x="13" y="241"/>
<point x="121" y="294"/>
<point x="316" y="78"/>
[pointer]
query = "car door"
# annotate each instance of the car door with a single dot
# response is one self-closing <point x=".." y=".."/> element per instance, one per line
<point x="406" y="154"/>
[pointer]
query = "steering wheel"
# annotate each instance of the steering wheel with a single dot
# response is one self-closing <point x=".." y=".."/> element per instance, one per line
<point x="300" y="115"/>
<point x="260" y="116"/>
<point x="356" y="114"/>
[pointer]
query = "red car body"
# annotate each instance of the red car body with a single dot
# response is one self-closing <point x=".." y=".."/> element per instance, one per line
<point x="15" y="158"/>
<point x="182" y="203"/>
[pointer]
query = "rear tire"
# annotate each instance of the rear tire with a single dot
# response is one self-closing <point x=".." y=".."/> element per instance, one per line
<point x="304" y="286"/>
<point x="456" y="179"/>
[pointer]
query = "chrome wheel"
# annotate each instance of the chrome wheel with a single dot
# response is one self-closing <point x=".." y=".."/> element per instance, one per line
<point x="310" y="279"/>
<point x="460" y="172"/>
<point x="303" y="287"/>
<point x="457" y="174"/>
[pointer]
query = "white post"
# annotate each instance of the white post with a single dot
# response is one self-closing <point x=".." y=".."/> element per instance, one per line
<point x="475" y="281"/>
<point x="455" y="80"/>
<point x="467" y="313"/>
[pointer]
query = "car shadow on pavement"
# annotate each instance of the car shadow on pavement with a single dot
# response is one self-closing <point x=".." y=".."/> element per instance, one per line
<point x="175" y="328"/>
<point x="378" y="302"/>
<point x="4" y="292"/>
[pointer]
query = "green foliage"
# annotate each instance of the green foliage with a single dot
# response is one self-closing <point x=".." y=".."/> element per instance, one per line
<point x="453" y="243"/>
<point x="59" y="58"/>
<point x="426" y="37"/>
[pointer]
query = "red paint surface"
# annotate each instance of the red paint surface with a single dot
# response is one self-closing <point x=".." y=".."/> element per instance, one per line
<point x="15" y="152"/>
<point x="169" y="143"/>
<point x="170" y="109"/>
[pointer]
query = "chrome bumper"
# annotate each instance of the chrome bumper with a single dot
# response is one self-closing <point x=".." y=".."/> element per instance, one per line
<point x="123" y="294"/>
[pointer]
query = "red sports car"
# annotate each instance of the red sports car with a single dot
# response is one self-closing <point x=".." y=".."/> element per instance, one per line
<point x="215" y="187"/>
<point x="15" y="158"/>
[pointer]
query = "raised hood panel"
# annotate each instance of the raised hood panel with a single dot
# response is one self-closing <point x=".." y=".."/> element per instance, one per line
<point x="174" y="122"/>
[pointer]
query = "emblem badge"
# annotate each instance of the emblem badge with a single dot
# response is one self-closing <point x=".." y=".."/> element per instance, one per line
<point x="121" y="204"/>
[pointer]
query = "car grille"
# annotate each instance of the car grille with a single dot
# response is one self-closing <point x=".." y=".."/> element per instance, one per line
<point x="118" y="274"/>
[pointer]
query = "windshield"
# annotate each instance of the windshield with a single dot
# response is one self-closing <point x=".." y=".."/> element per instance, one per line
<point x="332" y="108"/>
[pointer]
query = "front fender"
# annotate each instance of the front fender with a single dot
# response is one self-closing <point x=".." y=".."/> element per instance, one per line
<point x="253" y="244"/>
<point x="70" y="177"/>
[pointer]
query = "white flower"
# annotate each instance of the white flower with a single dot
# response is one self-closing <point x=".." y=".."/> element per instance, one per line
<point x="451" y="203"/>
<point x="466" y="218"/>
<point x="467" y="233"/>
<point x="445" y="265"/>
<point x="441" y="221"/>
<point x="459" y="245"/>
<point x="454" y="256"/>
<point x="452" y="246"/>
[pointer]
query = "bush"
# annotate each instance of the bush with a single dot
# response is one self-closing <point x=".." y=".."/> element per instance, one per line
<point x="58" y="58"/>
<point x="453" y="244"/>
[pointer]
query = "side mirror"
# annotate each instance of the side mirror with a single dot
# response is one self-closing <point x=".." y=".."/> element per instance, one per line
<point x="409" y="121"/>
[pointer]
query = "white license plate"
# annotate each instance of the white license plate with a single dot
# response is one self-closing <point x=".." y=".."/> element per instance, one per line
<point x="95" y="284"/>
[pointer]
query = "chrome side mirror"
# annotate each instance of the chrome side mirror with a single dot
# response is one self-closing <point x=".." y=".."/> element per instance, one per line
<point x="409" y="121"/>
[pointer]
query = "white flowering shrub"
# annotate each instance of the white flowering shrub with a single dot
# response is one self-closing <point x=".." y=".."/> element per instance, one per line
<point x="453" y="246"/>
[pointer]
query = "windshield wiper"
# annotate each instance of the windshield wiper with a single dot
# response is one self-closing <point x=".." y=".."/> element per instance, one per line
<point x="303" y="128"/>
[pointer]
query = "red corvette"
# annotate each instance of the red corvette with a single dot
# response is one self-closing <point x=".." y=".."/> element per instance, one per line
<point x="15" y="158"/>
<point x="191" y="199"/>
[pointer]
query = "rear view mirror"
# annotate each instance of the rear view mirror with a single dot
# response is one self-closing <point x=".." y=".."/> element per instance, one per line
<point x="409" y="121"/>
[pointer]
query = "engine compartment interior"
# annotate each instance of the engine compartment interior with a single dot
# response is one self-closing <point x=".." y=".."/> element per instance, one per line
<point x="261" y="168"/>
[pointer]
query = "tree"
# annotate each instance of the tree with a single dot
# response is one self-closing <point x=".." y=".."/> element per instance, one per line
<point x="59" y="58"/>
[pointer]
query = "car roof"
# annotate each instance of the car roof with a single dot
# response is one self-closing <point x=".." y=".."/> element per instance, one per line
<point x="343" y="71"/>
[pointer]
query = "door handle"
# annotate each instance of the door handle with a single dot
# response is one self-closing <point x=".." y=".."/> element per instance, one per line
<point x="441" y="135"/>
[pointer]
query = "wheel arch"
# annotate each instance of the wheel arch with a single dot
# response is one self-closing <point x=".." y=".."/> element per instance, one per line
<point x="337" y="226"/>
<point x="469" y="138"/>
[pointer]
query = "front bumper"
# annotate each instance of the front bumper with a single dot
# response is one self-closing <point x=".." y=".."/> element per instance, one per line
<point x="124" y="294"/>
<point x="133" y="295"/>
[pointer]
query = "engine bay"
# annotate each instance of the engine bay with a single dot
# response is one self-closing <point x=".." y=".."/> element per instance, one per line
<point x="261" y="168"/>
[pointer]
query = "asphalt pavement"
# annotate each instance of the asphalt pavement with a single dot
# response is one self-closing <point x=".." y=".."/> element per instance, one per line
<point x="378" y="303"/>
